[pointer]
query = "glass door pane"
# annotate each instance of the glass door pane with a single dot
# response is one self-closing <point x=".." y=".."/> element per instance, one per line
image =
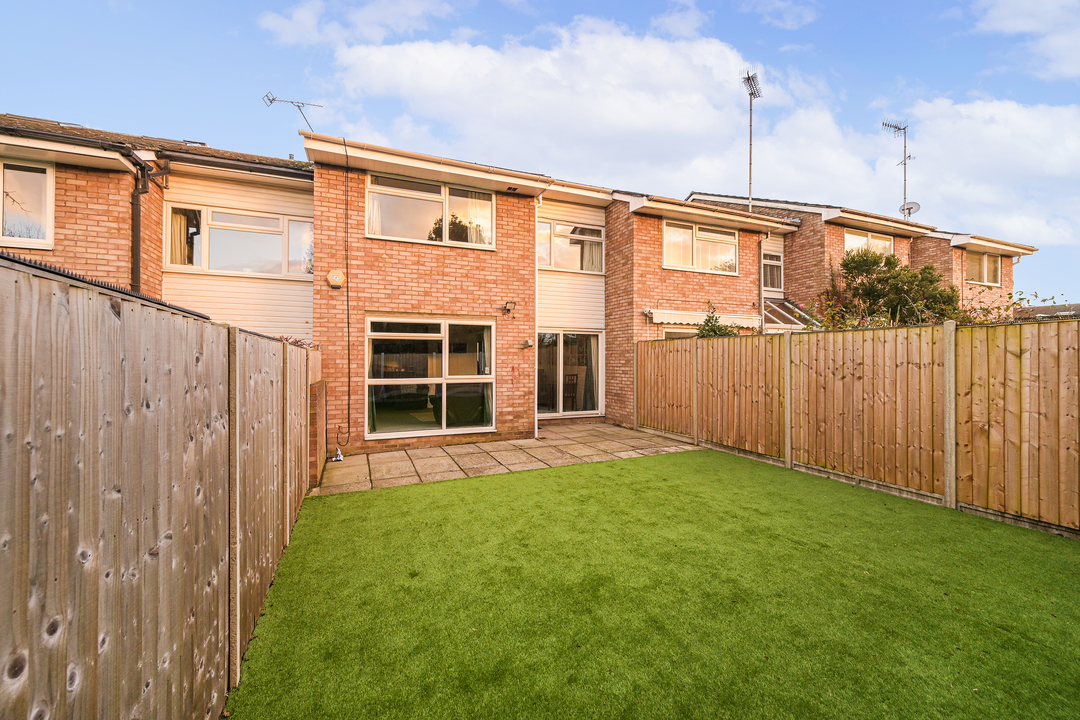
<point x="547" y="373"/>
<point x="579" y="375"/>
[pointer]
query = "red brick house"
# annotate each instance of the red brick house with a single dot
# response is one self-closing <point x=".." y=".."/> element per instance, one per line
<point x="980" y="267"/>
<point x="452" y="301"/>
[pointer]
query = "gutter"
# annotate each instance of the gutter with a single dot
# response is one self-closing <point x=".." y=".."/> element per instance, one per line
<point x="239" y="165"/>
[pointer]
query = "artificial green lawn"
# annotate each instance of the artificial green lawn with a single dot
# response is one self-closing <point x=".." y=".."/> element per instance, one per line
<point x="696" y="584"/>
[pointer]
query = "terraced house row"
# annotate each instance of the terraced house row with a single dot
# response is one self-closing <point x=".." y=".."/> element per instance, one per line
<point x="452" y="301"/>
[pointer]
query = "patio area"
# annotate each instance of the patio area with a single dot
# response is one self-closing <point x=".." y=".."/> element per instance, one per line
<point x="557" y="446"/>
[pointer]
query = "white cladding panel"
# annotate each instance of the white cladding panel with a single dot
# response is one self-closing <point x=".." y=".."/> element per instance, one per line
<point x="234" y="195"/>
<point x="568" y="212"/>
<point x="773" y="245"/>
<point x="570" y="301"/>
<point x="265" y="305"/>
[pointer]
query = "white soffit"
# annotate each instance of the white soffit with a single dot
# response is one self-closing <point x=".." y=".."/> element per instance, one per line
<point x="62" y="153"/>
<point x="874" y="223"/>
<point x="683" y="317"/>
<point x="332" y="151"/>
<point x="976" y="243"/>
<point x="241" y="176"/>
<point x="687" y="212"/>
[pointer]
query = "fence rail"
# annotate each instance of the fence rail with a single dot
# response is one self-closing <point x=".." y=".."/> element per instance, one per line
<point x="132" y="502"/>
<point x="978" y="417"/>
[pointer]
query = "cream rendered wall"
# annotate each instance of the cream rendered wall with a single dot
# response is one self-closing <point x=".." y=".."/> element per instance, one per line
<point x="270" y="305"/>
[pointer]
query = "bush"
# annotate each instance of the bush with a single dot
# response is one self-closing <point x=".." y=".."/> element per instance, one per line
<point x="712" y="327"/>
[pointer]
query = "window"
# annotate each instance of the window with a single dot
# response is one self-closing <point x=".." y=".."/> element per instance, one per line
<point x="237" y="242"/>
<point x="772" y="271"/>
<point x="857" y="240"/>
<point x="567" y="372"/>
<point x="983" y="268"/>
<point x="429" y="377"/>
<point x="569" y="247"/>
<point x="401" y="209"/>
<point x="695" y="247"/>
<point x="26" y="215"/>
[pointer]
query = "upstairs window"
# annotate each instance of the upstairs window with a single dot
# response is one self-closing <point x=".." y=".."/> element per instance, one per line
<point x="400" y="209"/>
<point x="857" y="240"/>
<point x="705" y="249"/>
<point x="569" y="247"/>
<point x="772" y="271"/>
<point x="231" y="241"/>
<point x="26" y="214"/>
<point x="983" y="268"/>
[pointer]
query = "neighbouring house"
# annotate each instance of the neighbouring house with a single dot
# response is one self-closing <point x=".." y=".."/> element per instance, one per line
<point x="223" y="233"/>
<point x="452" y="301"/>
<point x="979" y="267"/>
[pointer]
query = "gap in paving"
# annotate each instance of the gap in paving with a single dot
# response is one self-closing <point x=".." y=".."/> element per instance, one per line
<point x="556" y="446"/>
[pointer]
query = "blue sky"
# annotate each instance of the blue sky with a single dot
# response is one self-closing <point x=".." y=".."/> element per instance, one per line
<point x="633" y="96"/>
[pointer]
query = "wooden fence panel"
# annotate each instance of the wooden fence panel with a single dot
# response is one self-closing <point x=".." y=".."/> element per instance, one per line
<point x="1022" y="458"/>
<point x="665" y="389"/>
<point x="296" y="432"/>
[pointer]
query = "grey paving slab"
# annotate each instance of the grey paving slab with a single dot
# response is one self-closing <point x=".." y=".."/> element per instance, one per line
<point x="475" y="460"/>
<point x="426" y="466"/>
<point x="440" y="476"/>
<point x="430" y="452"/>
<point x="611" y="446"/>
<point x="487" y="470"/>
<point x="336" y="489"/>
<point x="527" y="443"/>
<point x="394" y="481"/>
<point x="493" y="446"/>
<point x="534" y="465"/>
<point x="392" y="469"/>
<point x="544" y="454"/>
<point x="387" y="457"/>
<point x="512" y="457"/>
<point x="347" y="472"/>
<point x="602" y="457"/>
<point x="627" y="454"/>
<point x="461" y="449"/>
<point x="582" y="450"/>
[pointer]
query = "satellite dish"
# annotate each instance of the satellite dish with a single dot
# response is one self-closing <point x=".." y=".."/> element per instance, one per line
<point x="909" y="209"/>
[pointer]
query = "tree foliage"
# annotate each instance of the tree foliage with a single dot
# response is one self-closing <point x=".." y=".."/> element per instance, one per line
<point x="712" y="327"/>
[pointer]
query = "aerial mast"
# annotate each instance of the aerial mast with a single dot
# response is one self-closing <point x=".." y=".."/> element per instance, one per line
<point x="753" y="88"/>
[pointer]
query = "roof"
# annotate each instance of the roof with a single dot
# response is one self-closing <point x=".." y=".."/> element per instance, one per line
<point x="17" y="124"/>
<point x="1065" y="311"/>
<point x="693" y="212"/>
<point x="743" y="198"/>
<point x="980" y="243"/>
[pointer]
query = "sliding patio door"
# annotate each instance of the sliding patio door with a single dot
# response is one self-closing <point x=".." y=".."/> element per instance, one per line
<point x="568" y="373"/>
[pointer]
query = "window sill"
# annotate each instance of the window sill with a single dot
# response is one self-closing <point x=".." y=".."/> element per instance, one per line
<point x="582" y="413"/>
<point x="24" y="244"/>
<point x="695" y="270"/>
<point x="982" y="284"/>
<point x="187" y="270"/>
<point x="566" y="270"/>
<point x="465" y="246"/>
<point x="428" y="433"/>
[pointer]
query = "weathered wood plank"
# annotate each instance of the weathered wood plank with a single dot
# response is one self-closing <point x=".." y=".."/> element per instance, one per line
<point x="1011" y="426"/>
<point x="995" y="348"/>
<point x="1069" y="426"/>
<point x="1049" y="430"/>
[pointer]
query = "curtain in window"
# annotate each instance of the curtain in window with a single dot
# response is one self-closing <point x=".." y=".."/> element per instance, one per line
<point x="374" y="214"/>
<point x="593" y="257"/>
<point x="178" y="254"/>
<point x="588" y="401"/>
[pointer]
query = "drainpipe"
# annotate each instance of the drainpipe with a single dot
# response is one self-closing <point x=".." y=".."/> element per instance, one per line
<point x="136" y="236"/>
<point x="761" y="279"/>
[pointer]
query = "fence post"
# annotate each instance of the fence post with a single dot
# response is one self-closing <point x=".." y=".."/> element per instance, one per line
<point x="950" y="413"/>
<point x="234" y="510"/>
<point x="694" y="404"/>
<point x="634" y="390"/>
<point x="789" y="461"/>
<point x="286" y="464"/>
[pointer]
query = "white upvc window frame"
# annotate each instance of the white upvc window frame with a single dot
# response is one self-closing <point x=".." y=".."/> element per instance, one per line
<point x="206" y="223"/>
<point x="50" y="207"/>
<point x="772" y="263"/>
<point x="697" y="228"/>
<point x="985" y="257"/>
<point x="445" y="379"/>
<point x="551" y="244"/>
<point x="866" y="237"/>
<point x="600" y="374"/>
<point x="370" y="187"/>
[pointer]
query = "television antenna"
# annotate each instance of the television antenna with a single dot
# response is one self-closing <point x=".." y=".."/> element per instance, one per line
<point x="900" y="128"/>
<point x="753" y="88"/>
<point x="269" y="99"/>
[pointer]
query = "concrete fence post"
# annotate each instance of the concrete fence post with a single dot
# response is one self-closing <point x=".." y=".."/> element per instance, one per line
<point x="789" y="461"/>
<point x="950" y="413"/>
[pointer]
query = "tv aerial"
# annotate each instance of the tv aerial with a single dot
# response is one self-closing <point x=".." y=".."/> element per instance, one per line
<point x="269" y="99"/>
<point x="753" y="89"/>
<point x="900" y="128"/>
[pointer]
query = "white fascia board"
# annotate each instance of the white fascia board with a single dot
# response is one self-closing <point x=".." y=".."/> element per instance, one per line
<point x="773" y="204"/>
<point x="988" y="245"/>
<point x="874" y="224"/>
<point x="692" y="213"/>
<point x="64" y="154"/>
<point x="241" y="176"/>
<point x="683" y="317"/>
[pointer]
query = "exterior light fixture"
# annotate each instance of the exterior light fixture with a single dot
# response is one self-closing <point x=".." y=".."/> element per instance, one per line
<point x="509" y="307"/>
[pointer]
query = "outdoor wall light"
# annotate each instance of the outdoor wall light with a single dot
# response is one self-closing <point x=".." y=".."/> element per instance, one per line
<point x="509" y="307"/>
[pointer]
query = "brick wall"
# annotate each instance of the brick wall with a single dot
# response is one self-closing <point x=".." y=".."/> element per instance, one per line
<point x="92" y="231"/>
<point x="952" y="264"/>
<point x="636" y="281"/>
<point x="390" y="278"/>
<point x="153" y="243"/>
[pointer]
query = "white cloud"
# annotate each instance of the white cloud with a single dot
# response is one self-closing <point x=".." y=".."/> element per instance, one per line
<point x="371" y="22"/>
<point x="786" y="14"/>
<point x="1052" y="26"/>
<point x="683" y="21"/>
